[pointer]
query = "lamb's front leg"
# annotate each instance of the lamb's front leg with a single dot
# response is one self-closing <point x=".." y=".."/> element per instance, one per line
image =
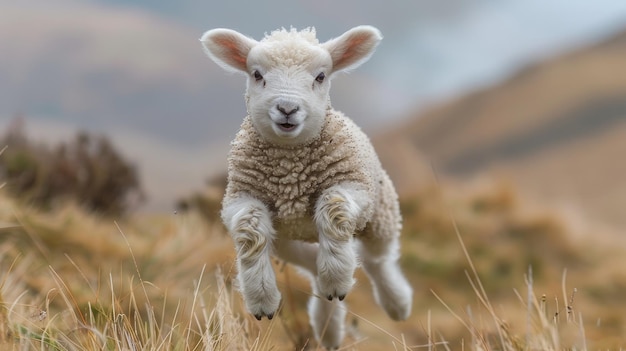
<point x="337" y="213"/>
<point x="249" y="223"/>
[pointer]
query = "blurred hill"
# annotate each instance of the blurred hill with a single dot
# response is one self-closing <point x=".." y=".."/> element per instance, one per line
<point x="556" y="129"/>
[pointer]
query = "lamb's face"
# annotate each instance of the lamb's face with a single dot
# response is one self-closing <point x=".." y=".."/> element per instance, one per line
<point x="289" y="75"/>
<point x="287" y="90"/>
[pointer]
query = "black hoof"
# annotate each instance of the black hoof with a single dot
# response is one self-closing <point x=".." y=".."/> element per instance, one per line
<point x="330" y="297"/>
<point x="270" y="316"/>
<point x="341" y="297"/>
<point x="258" y="316"/>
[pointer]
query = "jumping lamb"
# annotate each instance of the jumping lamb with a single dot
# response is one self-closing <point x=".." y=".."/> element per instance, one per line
<point x="304" y="182"/>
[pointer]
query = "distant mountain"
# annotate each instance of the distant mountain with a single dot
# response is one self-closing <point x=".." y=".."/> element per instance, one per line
<point x="557" y="129"/>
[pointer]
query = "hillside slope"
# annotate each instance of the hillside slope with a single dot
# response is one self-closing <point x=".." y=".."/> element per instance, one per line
<point x="556" y="129"/>
<point x="70" y="280"/>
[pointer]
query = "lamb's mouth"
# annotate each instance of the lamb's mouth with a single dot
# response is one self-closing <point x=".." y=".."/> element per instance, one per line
<point x="287" y="127"/>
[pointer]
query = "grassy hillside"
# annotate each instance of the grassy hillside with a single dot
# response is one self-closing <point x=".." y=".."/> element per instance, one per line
<point x="72" y="281"/>
<point x="556" y="130"/>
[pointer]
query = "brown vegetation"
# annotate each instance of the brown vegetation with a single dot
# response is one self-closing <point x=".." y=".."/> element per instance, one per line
<point x="72" y="281"/>
<point x="87" y="170"/>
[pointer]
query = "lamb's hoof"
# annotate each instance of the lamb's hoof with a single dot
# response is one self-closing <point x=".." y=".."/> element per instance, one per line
<point x="263" y="305"/>
<point x="336" y="288"/>
<point x="335" y="294"/>
<point x="260" y="316"/>
<point x="340" y="297"/>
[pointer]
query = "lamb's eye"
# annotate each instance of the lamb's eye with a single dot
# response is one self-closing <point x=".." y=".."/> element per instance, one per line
<point x="257" y="76"/>
<point x="320" y="77"/>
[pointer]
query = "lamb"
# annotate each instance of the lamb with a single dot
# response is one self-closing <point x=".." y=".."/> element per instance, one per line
<point x="304" y="182"/>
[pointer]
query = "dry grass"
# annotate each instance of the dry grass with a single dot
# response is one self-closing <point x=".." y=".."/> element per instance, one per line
<point x="71" y="281"/>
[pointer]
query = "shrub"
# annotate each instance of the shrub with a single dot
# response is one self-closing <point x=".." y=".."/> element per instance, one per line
<point x="208" y="201"/>
<point x="88" y="170"/>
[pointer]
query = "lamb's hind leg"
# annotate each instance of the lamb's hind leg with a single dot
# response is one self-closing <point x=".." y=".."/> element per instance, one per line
<point x="379" y="258"/>
<point x="326" y="317"/>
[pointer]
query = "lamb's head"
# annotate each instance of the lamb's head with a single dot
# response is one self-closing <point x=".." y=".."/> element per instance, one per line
<point x="289" y="75"/>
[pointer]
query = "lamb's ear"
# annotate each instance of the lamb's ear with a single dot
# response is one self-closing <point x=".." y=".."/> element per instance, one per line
<point x="353" y="47"/>
<point x="228" y="48"/>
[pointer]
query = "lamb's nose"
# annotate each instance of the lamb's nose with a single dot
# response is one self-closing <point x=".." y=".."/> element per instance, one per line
<point x="287" y="110"/>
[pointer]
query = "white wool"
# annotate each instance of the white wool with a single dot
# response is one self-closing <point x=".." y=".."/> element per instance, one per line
<point x="283" y="35"/>
<point x="290" y="48"/>
<point x="290" y="179"/>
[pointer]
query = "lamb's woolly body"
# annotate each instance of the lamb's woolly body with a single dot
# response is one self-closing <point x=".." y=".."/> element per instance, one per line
<point x="289" y="179"/>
